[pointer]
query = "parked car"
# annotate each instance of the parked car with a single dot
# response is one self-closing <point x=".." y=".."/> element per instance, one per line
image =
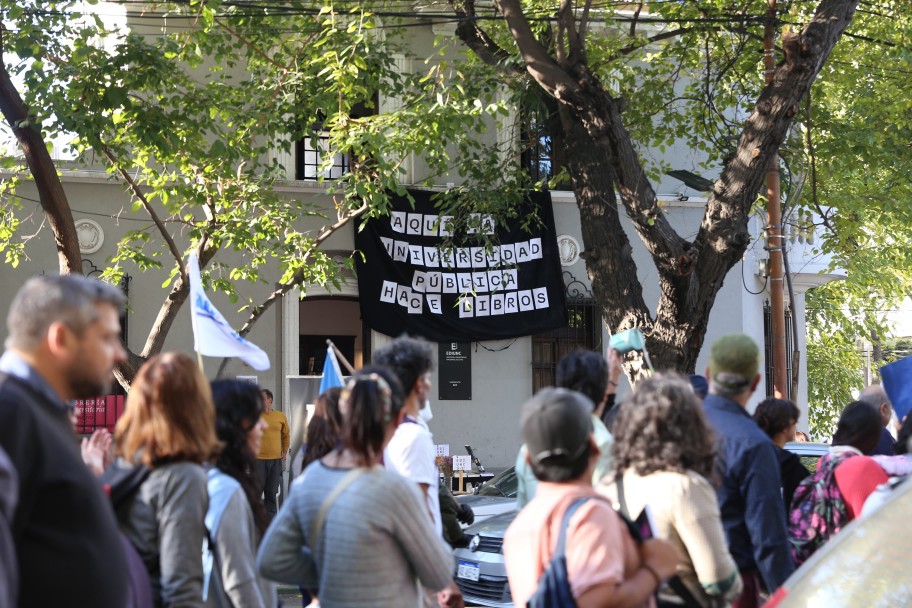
<point x="866" y="564"/>
<point x="493" y="497"/>
<point x="480" y="571"/>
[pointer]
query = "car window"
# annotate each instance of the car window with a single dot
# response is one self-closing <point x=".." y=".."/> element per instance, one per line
<point x="503" y="484"/>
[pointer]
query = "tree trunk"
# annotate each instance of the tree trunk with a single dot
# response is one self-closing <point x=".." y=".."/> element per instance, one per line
<point x="50" y="191"/>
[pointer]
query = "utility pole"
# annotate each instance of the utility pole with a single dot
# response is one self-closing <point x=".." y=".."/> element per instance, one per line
<point x="774" y="239"/>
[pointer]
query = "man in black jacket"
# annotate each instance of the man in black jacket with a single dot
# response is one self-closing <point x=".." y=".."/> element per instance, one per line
<point x="63" y="342"/>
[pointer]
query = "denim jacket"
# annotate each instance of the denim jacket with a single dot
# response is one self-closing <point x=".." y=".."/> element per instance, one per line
<point x="750" y="495"/>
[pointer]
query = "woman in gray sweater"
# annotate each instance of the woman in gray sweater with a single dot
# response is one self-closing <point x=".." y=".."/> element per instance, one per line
<point x="169" y="427"/>
<point x="357" y="534"/>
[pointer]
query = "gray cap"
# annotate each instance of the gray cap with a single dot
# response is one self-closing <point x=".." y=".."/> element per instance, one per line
<point x="556" y="424"/>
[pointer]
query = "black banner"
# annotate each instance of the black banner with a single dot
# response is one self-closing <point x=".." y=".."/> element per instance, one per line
<point x="409" y="283"/>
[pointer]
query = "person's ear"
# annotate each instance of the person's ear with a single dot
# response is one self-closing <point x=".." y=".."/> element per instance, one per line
<point x="755" y="383"/>
<point x="59" y="339"/>
<point x="594" y="449"/>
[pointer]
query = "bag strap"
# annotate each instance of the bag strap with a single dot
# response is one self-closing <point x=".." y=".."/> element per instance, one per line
<point x="316" y="527"/>
<point x="565" y="522"/>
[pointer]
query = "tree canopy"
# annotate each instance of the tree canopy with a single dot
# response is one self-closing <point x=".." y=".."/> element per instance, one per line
<point x="187" y="117"/>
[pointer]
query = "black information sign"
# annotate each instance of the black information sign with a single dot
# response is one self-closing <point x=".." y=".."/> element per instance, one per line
<point x="455" y="371"/>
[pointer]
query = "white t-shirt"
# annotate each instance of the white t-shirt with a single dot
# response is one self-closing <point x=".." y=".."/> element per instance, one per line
<point x="411" y="454"/>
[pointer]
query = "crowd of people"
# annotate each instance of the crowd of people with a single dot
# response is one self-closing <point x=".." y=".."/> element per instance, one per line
<point x="676" y="497"/>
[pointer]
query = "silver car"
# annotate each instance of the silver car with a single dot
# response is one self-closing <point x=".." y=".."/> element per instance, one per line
<point x="480" y="571"/>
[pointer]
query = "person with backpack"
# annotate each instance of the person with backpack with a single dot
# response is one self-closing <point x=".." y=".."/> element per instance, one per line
<point x="168" y="428"/>
<point x="664" y="461"/>
<point x="835" y="494"/>
<point x="352" y="530"/>
<point x="568" y="547"/>
<point x="236" y="519"/>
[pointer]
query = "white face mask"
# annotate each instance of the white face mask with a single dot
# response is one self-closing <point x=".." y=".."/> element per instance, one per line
<point x="425" y="413"/>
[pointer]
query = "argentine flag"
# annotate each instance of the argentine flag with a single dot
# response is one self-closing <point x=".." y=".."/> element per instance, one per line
<point x="332" y="375"/>
<point x="212" y="335"/>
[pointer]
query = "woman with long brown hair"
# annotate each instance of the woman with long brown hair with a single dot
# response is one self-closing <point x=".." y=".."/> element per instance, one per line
<point x="169" y="427"/>
<point x="664" y="458"/>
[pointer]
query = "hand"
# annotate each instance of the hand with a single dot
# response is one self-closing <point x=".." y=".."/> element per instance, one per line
<point x="465" y="515"/>
<point x="96" y="451"/>
<point x="661" y="556"/>
<point x="615" y="366"/>
<point x="451" y="597"/>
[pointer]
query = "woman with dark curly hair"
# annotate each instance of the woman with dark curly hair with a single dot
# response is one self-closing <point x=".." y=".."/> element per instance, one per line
<point x="778" y="418"/>
<point x="236" y="519"/>
<point x="663" y="458"/>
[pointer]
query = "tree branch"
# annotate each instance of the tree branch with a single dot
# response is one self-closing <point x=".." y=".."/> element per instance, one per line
<point x="138" y="193"/>
<point x="296" y="279"/>
<point x="478" y="40"/>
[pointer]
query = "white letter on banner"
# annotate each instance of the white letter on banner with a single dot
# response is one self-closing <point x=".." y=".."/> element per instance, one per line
<point x="488" y="225"/>
<point x="480" y="281"/>
<point x="430" y="225"/>
<point x="431" y="257"/>
<point x="465" y="281"/>
<point x="463" y="258"/>
<point x="510" y="304"/>
<point x="400" y="251"/>
<point x="522" y="252"/>
<point x="541" y="297"/>
<point x="478" y="257"/>
<point x="507" y="254"/>
<point x="397" y="221"/>
<point x="497" y="304"/>
<point x="510" y="280"/>
<point x="465" y="307"/>
<point x="419" y="281"/>
<point x="434" y="305"/>
<point x="493" y="257"/>
<point x="434" y="282"/>
<point x="525" y="300"/>
<point x="495" y="279"/>
<point x="536" y="248"/>
<point x="446" y="258"/>
<point x="450" y="285"/>
<point x="388" y="245"/>
<point x="414" y="307"/>
<point x="417" y="254"/>
<point x="482" y="306"/>
<point x="388" y="292"/>
<point x="403" y="294"/>
<point x="414" y="224"/>
<point x="446" y="225"/>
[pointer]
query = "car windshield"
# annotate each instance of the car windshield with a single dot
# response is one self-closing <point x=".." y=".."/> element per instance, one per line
<point x="503" y="484"/>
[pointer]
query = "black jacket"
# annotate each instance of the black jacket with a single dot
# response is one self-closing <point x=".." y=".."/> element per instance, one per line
<point x="67" y="542"/>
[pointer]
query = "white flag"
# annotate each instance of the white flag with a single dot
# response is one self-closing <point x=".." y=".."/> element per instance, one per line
<point x="212" y="335"/>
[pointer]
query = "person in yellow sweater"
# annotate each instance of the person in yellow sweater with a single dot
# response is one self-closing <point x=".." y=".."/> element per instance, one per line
<point x="273" y="449"/>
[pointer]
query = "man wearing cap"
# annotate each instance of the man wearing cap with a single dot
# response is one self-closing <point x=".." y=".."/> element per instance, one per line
<point x="749" y="497"/>
<point x="605" y="567"/>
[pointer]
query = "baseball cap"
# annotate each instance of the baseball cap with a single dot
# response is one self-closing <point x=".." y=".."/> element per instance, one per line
<point x="734" y="361"/>
<point x="556" y="424"/>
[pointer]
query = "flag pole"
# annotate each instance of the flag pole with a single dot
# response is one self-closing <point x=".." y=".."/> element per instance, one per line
<point x="340" y="356"/>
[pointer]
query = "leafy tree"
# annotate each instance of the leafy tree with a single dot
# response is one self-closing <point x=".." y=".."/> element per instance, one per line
<point x="192" y="113"/>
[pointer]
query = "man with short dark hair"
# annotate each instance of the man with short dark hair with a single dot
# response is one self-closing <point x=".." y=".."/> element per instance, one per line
<point x="588" y="373"/>
<point x="877" y="396"/>
<point x="63" y="343"/>
<point x="273" y="450"/>
<point x="750" y="496"/>
<point x="605" y="566"/>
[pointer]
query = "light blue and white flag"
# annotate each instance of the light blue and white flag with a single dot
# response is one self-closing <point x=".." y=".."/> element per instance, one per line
<point x="332" y="375"/>
<point x="212" y="335"/>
